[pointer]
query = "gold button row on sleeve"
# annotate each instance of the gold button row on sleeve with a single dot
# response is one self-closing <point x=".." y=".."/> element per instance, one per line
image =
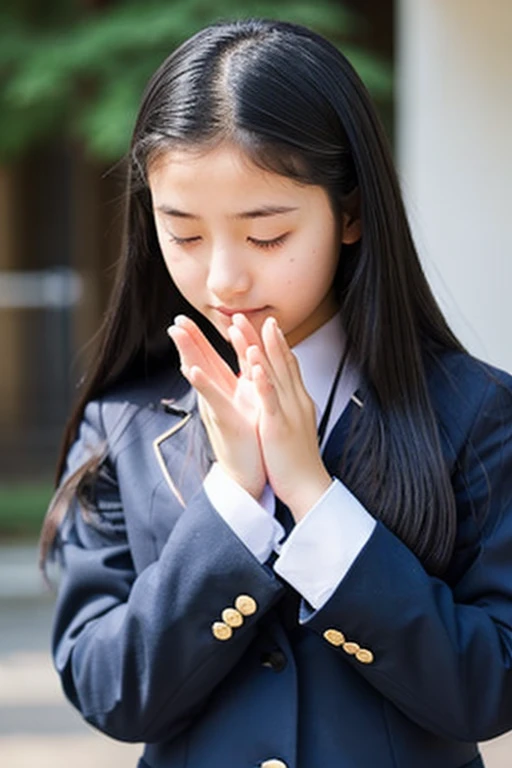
<point x="337" y="638"/>
<point x="334" y="637"/>
<point x="364" y="656"/>
<point x="351" y="648"/>
<point x="221" y="631"/>
<point x="245" y="605"/>
<point x="232" y="617"/>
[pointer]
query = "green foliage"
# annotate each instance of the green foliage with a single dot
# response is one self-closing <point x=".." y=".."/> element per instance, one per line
<point x="22" y="509"/>
<point x="83" y="76"/>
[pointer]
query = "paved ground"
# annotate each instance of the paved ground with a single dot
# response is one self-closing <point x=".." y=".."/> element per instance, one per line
<point x="38" y="729"/>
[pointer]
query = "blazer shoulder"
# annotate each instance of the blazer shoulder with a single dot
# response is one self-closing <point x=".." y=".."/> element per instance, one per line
<point x="143" y="390"/>
<point x="460" y="370"/>
<point x="109" y="418"/>
<point x="167" y="386"/>
<point x="462" y="388"/>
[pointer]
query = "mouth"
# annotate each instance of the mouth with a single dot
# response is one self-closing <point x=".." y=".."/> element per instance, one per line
<point x="239" y="310"/>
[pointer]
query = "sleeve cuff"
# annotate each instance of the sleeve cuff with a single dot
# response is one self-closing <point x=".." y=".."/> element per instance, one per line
<point x="321" y="548"/>
<point x="252" y="521"/>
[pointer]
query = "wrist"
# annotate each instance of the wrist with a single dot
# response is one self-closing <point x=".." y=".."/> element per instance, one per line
<point x="308" y="493"/>
<point x="253" y="486"/>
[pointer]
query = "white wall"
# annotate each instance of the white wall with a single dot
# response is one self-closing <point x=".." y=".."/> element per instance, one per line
<point x="455" y="156"/>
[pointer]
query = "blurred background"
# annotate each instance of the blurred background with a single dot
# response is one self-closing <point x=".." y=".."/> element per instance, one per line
<point x="71" y="76"/>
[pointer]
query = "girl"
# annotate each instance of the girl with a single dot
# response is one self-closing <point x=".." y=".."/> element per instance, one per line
<point x="286" y="537"/>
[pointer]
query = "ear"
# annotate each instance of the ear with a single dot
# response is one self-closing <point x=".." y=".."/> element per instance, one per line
<point x="351" y="229"/>
<point x="351" y="218"/>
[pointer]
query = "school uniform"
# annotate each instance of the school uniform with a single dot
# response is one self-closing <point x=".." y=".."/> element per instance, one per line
<point x="207" y="625"/>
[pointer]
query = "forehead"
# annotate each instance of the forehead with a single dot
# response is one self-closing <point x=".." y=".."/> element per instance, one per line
<point x="224" y="171"/>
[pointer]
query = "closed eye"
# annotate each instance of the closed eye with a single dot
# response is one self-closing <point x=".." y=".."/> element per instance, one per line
<point x="265" y="244"/>
<point x="182" y="240"/>
<point x="269" y="243"/>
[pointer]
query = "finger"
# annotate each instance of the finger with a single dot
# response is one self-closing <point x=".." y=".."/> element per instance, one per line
<point x="239" y="342"/>
<point x="256" y="356"/>
<point x="212" y="361"/>
<point x="188" y="351"/>
<point x="266" y="391"/>
<point x="208" y="357"/>
<point x="240" y="321"/>
<point x="292" y="363"/>
<point x="218" y="403"/>
<point x="277" y="353"/>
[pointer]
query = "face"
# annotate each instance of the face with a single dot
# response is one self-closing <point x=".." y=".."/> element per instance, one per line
<point x="236" y="238"/>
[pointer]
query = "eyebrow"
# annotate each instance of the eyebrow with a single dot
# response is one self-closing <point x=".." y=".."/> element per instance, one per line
<point x="257" y="213"/>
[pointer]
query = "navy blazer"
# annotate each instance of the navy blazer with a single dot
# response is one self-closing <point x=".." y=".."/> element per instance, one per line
<point x="399" y="669"/>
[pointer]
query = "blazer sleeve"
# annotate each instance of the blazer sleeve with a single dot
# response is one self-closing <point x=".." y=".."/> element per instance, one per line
<point x="442" y="653"/>
<point x="136" y="652"/>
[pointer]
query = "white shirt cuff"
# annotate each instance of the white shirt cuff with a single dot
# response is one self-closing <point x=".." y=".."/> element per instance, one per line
<point x="323" y="545"/>
<point x="252" y="521"/>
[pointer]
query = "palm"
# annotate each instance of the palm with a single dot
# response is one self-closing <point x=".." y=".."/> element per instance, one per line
<point x="227" y="403"/>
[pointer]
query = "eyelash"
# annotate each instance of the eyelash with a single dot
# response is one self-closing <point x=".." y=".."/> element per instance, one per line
<point x="264" y="244"/>
<point x="267" y="244"/>
<point x="182" y="240"/>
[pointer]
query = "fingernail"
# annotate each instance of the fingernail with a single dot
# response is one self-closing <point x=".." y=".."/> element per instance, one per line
<point x="180" y="320"/>
<point x="276" y="326"/>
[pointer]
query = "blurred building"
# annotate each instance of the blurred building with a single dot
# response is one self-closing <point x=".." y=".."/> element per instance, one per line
<point x="59" y="234"/>
<point x="454" y="128"/>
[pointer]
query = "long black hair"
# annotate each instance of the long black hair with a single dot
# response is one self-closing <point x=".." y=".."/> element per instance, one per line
<point x="296" y="106"/>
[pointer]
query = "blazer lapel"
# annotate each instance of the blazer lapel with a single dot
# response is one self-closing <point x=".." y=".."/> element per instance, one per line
<point x="183" y="450"/>
<point x="333" y="449"/>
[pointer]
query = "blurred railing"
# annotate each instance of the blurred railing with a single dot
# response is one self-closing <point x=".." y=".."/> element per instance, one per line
<point x="57" y="288"/>
<point x="36" y="318"/>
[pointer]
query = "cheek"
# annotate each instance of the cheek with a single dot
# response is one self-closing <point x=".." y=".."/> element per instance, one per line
<point x="186" y="275"/>
<point x="303" y="272"/>
<point x="311" y="277"/>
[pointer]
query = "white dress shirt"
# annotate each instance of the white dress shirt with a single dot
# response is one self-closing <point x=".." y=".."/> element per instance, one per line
<point x="322" y="546"/>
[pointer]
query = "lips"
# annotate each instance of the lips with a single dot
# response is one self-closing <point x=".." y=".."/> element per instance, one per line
<point x="231" y="312"/>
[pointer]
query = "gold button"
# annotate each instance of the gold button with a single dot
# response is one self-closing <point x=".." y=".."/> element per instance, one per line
<point x="274" y="763"/>
<point x="364" y="656"/>
<point x="221" y="631"/>
<point x="246" y="605"/>
<point x="334" y="637"/>
<point x="351" y="648"/>
<point x="232" y="617"/>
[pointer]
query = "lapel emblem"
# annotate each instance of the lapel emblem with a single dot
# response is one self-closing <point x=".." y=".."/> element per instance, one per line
<point x="157" y="442"/>
<point x="183" y="452"/>
<point x="181" y="408"/>
<point x="357" y="400"/>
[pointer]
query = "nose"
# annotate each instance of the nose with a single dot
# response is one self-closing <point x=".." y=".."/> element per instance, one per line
<point x="228" y="274"/>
